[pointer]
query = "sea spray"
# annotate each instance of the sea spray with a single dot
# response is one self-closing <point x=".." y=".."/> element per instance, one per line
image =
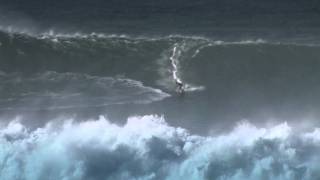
<point x="146" y="147"/>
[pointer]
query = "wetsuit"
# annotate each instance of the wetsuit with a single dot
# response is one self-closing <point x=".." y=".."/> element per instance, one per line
<point x="180" y="87"/>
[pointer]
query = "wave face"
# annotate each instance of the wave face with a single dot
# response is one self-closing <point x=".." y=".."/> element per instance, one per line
<point x="148" y="148"/>
<point x="52" y="90"/>
<point x="270" y="75"/>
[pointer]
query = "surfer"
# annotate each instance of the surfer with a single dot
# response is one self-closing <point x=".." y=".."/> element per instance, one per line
<point x="180" y="88"/>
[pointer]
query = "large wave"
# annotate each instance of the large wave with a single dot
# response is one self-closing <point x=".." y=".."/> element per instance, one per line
<point x="241" y="79"/>
<point x="147" y="147"/>
<point x="219" y="66"/>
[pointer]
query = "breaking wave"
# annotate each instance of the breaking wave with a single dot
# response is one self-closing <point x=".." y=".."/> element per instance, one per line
<point x="147" y="147"/>
<point x="106" y="55"/>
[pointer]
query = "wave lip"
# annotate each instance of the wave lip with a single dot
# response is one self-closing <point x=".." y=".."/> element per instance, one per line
<point x="146" y="147"/>
<point x="56" y="36"/>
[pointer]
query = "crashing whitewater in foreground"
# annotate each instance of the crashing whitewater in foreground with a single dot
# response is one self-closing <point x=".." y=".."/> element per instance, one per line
<point x="146" y="147"/>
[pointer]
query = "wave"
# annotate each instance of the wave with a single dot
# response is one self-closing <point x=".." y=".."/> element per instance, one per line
<point x="146" y="147"/>
<point x="93" y="51"/>
<point x="200" y="63"/>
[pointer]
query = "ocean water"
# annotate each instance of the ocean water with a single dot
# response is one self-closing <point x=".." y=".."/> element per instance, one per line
<point x="88" y="90"/>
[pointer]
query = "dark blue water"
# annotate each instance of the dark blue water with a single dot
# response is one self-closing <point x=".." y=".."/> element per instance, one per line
<point x="202" y="17"/>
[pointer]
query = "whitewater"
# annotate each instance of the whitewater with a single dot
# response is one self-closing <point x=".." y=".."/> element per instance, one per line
<point x="147" y="147"/>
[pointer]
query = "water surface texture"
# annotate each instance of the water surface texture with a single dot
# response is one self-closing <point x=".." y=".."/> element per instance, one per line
<point x="88" y="89"/>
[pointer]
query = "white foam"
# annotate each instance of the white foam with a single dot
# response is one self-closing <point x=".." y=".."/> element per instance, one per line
<point x="75" y="90"/>
<point x="174" y="62"/>
<point x="55" y="36"/>
<point x="191" y="88"/>
<point x="146" y="147"/>
<point x="177" y="51"/>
